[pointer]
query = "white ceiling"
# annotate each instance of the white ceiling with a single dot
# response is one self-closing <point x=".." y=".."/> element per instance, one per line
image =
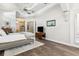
<point x="14" y="6"/>
<point x="19" y="7"/>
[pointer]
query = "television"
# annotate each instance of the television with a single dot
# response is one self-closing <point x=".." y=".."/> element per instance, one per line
<point x="40" y="29"/>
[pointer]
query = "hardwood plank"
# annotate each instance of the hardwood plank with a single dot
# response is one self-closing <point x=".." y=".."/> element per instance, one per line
<point x="52" y="49"/>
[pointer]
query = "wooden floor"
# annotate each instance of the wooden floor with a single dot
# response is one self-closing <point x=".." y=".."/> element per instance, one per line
<point x="51" y="49"/>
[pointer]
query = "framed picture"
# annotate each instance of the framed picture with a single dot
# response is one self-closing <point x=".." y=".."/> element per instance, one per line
<point x="51" y="23"/>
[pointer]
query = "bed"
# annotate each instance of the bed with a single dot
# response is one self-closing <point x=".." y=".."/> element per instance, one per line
<point x="13" y="40"/>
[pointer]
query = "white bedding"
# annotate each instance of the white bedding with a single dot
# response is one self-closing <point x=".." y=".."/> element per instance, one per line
<point x="14" y="39"/>
<point x="10" y="38"/>
<point x="28" y="34"/>
<point x="16" y="36"/>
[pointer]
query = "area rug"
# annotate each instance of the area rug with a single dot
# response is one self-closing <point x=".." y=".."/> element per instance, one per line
<point x="18" y="50"/>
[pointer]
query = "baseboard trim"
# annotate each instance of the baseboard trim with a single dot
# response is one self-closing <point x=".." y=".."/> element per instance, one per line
<point x="72" y="45"/>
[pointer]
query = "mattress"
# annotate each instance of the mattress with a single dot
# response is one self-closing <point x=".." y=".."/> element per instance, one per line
<point x="11" y="41"/>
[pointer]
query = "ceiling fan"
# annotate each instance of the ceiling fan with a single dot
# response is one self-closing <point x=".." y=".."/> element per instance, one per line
<point x="28" y="11"/>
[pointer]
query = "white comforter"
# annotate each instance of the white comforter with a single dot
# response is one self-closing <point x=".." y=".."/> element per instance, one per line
<point x="16" y="36"/>
<point x="14" y="40"/>
<point x="28" y="35"/>
<point x="10" y="38"/>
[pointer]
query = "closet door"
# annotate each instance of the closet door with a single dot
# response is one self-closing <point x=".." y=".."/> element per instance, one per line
<point x="77" y="29"/>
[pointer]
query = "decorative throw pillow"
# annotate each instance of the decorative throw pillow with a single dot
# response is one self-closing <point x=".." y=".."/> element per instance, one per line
<point x="2" y="33"/>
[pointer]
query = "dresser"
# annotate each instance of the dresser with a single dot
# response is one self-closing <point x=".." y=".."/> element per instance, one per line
<point x="40" y="35"/>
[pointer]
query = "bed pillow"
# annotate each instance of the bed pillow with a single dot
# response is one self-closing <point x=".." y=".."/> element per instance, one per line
<point x="2" y="33"/>
<point x="28" y="35"/>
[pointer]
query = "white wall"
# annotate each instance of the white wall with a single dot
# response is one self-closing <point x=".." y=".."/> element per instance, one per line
<point x="64" y="31"/>
<point x="60" y="32"/>
<point x="1" y="20"/>
<point x="8" y="17"/>
<point x="73" y="24"/>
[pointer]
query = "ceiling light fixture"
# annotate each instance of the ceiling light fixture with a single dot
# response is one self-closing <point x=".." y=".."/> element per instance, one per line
<point x="28" y="11"/>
